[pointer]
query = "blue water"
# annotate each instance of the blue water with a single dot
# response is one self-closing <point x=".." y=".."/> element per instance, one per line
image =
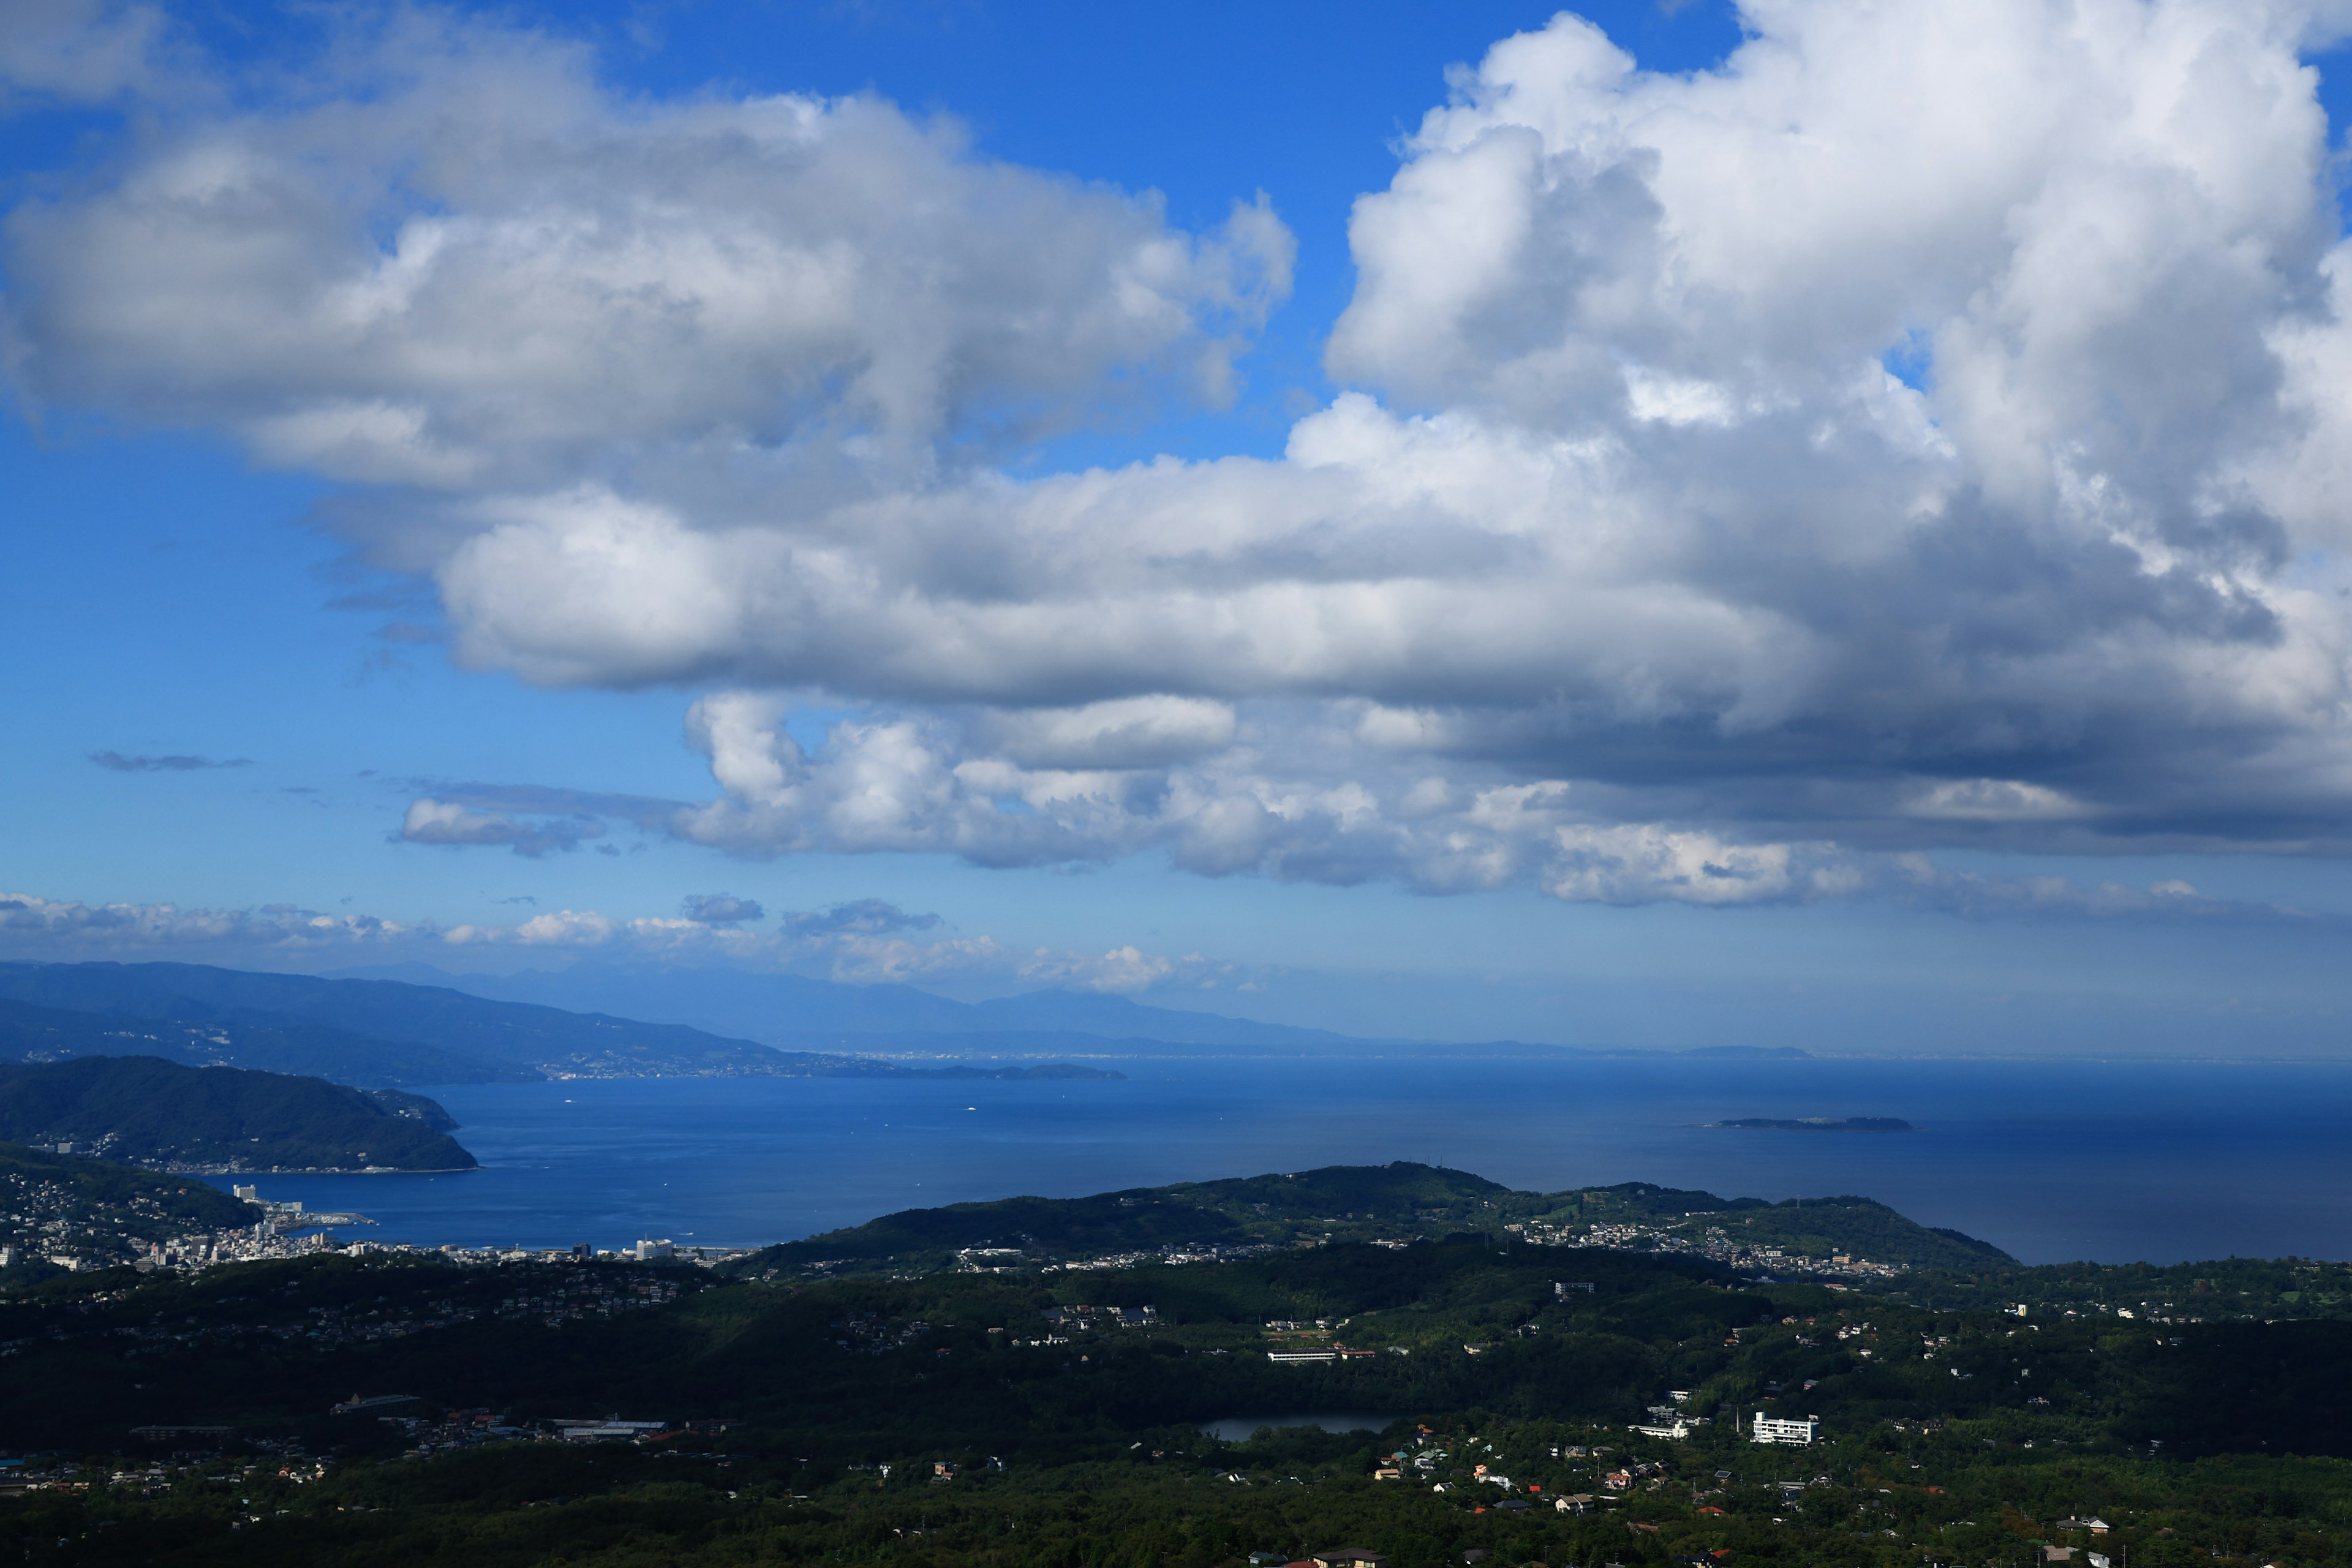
<point x="2112" y="1161"/>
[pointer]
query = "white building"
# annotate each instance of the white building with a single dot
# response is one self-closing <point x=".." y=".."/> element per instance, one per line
<point x="1796" y="1433"/>
<point x="647" y="1251"/>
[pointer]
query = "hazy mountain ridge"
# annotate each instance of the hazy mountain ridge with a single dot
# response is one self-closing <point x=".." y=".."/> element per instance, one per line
<point x="780" y="1009"/>
<point x="234" y="1037"/>
<point x="797" y="1012"/>
<point x="375" y="1031"/>
<point x="513" y="1040"/>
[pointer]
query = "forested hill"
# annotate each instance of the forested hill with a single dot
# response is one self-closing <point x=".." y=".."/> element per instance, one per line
<point x="145" y="1110"/>
<point x="1382" y="1204"/>
<point x="982" y="1421"/>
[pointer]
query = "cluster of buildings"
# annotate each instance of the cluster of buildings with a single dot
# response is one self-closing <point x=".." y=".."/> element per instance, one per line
<point x="57" y="1223"/>
<point x="1714" y="1243"/>
<point x="872" y="1333"/>
<point x="1194" y="1253"/>
<point x="1671" y="1419"/>
<point x="284" y="1230"/>
<point x="1084" y="1318"/>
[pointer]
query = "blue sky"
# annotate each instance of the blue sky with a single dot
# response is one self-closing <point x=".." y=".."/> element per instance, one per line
<point x="1533" y="614"/>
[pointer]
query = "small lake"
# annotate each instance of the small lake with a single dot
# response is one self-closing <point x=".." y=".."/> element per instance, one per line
<point x="1240" y="1429"/>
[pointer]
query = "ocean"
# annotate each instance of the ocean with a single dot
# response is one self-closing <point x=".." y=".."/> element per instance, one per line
<point x="2052" y="1160"/>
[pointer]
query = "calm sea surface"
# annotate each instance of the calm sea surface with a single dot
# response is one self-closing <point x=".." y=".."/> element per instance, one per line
<point x="2053" y="1162"/>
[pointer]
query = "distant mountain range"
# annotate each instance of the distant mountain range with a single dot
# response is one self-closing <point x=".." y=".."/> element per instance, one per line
<point x="415" y="1025"/>
<point x="790" y="1011"/>
<point x="382" y="1031"/>
<point x="795" y="1012"/>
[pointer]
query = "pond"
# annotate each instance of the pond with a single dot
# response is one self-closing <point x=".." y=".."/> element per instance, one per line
<point x="1240" y="1429"/>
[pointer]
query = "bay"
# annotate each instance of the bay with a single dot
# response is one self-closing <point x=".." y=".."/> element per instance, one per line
<point x="2120" y="1161"/>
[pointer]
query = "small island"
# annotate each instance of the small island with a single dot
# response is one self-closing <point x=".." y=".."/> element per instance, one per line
<point x="1820" y="1123"/>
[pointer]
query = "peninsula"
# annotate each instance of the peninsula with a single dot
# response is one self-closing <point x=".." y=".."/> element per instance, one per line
<point x="163" y="1115"/>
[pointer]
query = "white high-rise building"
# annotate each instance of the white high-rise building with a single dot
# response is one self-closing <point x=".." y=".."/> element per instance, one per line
<point x="1796" y="1433"/>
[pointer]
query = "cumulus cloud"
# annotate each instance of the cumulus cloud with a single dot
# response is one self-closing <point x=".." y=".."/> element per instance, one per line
<point x="721" y="909"/>
<point x="471" y="269"/>
<point x="33" y="926"/>
<point x="906" y="785"/>
<point x="1925" y="429"/>
<point x="868" y="917"/>
<point x="449" y="824"/>
<point x="853" y="952"/>
<point x="80" y="51"/>
<point x="863" y="941"/>
<point x="118" y="763"/>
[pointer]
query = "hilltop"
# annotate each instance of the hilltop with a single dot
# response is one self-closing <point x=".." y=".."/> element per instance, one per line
<point x="146" y="1111"/>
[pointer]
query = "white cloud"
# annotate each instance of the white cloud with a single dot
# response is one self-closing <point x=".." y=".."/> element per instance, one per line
<point x="863" y="943"/>
<point x="1995" y="799"/>
<point x="1122" y="970"/>
<point x="466" y="265"/>
<point x="34" y="926"/>
<point x="721" y="909"/>
<point x="859" y="952"/>
<point x="79" y="51"/>
<point x="444" y="822"/>
<point x="1129" y="732"/>
<point x="1625" y="568"/>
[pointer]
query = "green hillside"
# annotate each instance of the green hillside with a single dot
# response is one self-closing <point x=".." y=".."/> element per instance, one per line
<point x="1015" y="1422"/>
<point x="1813" y="1230"/>
<point x="145" y="1110"/>
<point x="2223" y="1288"/>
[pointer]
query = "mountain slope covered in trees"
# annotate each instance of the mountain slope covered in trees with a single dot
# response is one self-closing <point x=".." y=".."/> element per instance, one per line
<point x="146" y="1111"/>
